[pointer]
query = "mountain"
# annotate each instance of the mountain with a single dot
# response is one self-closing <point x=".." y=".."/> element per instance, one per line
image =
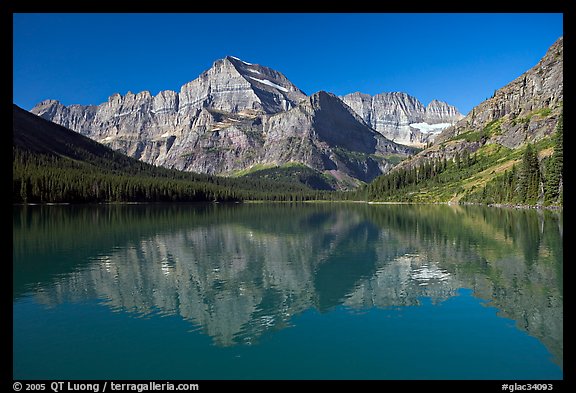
<point x="54" y="164"/>
<point x="522" y="107"/>
<point x="325" y="134"/>
<point x="402" y="118"/>
<point x="469" y="160"/>
<point x="234" y="118"/>
<point x="38" y="136"/>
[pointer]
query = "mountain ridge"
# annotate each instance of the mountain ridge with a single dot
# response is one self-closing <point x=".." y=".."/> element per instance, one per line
<point x="401" y="117"/>
<point x="524" y="110"/>
<point x="487" y="156"/>
<point x="234" y="116"/>
<point x="53" y="164"/>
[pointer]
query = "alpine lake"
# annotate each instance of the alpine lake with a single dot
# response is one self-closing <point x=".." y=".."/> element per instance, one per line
<point x="287" y="291"/>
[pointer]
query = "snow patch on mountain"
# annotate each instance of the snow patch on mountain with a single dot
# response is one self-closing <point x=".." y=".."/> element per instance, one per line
<point x="245" y="62"/>
<point x="271" y="84"/>
<point x="430" y="128"/>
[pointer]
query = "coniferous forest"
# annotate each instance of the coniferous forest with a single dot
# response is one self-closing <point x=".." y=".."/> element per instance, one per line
<point x="50" y="179"/>
<point x="52" y="164"/>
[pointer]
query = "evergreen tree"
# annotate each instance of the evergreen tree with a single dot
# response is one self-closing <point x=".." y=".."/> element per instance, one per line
<point x="555" y="166"/>
<point x="529" y="187"/>
<point x="457" y="159"/>
<point x="466" y="161"/>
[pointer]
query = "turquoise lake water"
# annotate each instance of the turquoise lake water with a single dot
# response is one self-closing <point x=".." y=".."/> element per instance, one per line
<point x="281" y="291"/>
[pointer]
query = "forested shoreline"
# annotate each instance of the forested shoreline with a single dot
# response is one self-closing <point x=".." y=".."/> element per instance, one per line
<point x="52" y="164"/>
<point x="45" y="178"/>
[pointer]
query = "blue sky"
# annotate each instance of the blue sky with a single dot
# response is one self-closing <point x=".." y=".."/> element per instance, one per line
<point x="457" y="58"/>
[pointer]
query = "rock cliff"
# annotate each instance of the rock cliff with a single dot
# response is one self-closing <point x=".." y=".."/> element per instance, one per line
<point x="232" y="117"/>
<point x="401" y="117"/>
<point x="522" y="106"/>
<point x="526" y="110"/>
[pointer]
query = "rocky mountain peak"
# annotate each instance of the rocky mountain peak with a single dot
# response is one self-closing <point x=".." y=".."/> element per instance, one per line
<point x="401" y="117"/>
<point x="233" y="116"/>
<point x="441" y="112"/>
<point x="268" y="83"/>
<point x="323" y="98"/>
<point x="325" y="102"/>
<point x="49" y="107"/>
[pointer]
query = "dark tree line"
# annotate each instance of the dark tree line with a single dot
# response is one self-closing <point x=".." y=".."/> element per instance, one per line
<point x="48" y="178"/>
<point x="554" y="179"/>
<point x="400" y="184"/>
<point x="395" y="183"/>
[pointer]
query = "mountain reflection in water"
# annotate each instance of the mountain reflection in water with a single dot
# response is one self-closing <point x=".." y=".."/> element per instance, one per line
<point x="240" y="271"/>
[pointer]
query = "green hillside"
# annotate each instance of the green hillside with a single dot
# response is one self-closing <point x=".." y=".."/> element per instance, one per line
<point x="491" y="174"/>
<point x="295" y="173"/>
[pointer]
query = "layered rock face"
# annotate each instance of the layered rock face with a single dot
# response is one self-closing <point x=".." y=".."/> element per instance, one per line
<point x="325" y="134"/>
<point x="226" y="87"/>
<point x="527" y="107"/>
<point x="402" y="118"/>
<point x="233" y="116"/>
<point x="524" y="111"/>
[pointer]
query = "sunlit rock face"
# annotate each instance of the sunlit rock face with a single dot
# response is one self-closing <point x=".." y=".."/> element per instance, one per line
<point x="527" y="107"/>
<point x="232" y="117"/>
<point x="175" y="129"/>
<point x="526" y="110"/>
<point x="402" y="118"/>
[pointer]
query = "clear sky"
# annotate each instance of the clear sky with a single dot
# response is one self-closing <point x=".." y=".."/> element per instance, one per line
<point x="457" y="58"/>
